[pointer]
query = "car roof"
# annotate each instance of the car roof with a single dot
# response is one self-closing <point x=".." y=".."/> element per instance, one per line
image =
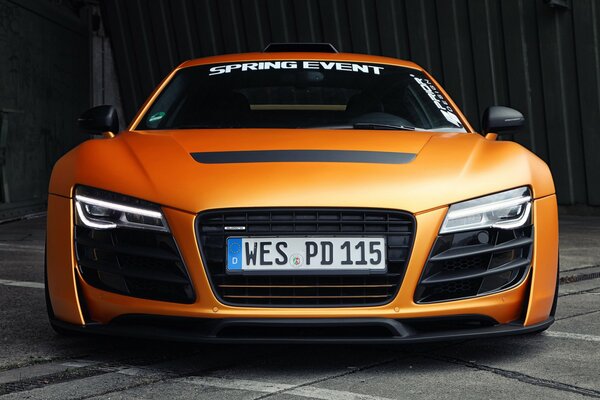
<point x="277" y="56"/>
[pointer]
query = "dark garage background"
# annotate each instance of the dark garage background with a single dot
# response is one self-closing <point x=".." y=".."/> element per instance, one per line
<point x="44" y="76"/>
<point x="539" y="56"/>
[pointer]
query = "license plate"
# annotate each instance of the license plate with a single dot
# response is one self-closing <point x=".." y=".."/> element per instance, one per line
<point x="306" y="254"/>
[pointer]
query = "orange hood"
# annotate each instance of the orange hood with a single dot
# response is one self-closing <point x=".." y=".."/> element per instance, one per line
<point x="158" y="166"/>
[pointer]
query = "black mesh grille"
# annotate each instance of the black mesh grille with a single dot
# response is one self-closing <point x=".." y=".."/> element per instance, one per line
<point x="305" y="290"/>
<point x="464" y="263"/>
<point x="144" y="264"/>
<point x="475" y="263"/>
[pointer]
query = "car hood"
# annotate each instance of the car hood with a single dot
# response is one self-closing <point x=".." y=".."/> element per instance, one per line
<point x="408" y="170"/>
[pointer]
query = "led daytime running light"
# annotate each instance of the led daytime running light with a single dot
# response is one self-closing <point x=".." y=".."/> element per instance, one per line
<point x="504" y="210"/>
<point x="498" y="205"/>
<point x="90" y="223"/>
<point x="514" y="223"/>
<point x="118" y="207"/>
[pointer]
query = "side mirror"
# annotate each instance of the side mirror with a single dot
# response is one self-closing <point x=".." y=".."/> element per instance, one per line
<point x="99" y="120"/>
<point x="501" y="119"/>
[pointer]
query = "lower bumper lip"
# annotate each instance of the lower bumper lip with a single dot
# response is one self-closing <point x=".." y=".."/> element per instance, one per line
<point x="197" y="330"/>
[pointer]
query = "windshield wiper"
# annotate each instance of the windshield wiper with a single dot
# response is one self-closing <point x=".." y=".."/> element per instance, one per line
<point x="377" y="125"/>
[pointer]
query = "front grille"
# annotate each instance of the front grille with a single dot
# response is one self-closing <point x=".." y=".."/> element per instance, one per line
<point x="133" y="262"/>
<point x="475" y="263"/>
<point x="305" y="290"/>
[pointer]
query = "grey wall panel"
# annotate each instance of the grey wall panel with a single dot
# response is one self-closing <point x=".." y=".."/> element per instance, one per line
<point x="424" y="36"/>
<point x="457" y="54"/>
<point x="586" y="18"/>
<point x="391" y="17"/>
<point x="539" y="59"/>
<point x="561" y="101"/>
<point x="489" y="60"/>
<point x="523" y="72"/>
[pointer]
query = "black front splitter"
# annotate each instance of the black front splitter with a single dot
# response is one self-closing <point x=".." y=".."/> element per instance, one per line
<point x="316" y="330"/>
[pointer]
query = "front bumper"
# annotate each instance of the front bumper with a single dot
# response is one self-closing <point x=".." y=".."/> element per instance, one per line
<point x="320" y="330"/>
<point x="80" y="306"/>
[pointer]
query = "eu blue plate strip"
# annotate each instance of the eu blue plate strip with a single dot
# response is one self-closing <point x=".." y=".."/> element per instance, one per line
<point x="234" y="254"/>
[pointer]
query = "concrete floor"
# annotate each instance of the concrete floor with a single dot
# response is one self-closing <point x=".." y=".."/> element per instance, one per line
<point x="37" y="364"/>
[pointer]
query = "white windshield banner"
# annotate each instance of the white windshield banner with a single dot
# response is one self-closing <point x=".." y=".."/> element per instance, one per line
<point x="306" y="65"/>
<point x="439" y="101"/>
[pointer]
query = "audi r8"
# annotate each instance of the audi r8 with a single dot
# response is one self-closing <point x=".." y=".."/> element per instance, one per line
<point x="301" y="194"/>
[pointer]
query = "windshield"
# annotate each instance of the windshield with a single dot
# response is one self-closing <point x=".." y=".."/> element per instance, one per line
<point x="301" y="94"/>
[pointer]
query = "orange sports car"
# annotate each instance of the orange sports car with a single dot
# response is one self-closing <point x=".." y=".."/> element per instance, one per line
<point x="301" y="194"/>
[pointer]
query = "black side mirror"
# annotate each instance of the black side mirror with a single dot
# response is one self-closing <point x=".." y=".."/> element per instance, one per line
<point x="498" y="119"/>
<point x="98" y="120"/>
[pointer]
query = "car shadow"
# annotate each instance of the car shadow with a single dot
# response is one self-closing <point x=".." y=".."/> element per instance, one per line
<point x="276" y="359"/>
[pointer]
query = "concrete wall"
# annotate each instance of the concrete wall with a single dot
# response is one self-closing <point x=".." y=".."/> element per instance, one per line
<point x="56" y="62"/>
<point x="44" y="83"/>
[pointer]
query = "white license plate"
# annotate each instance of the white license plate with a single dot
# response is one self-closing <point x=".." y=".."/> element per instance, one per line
<point x="306" y="254"/>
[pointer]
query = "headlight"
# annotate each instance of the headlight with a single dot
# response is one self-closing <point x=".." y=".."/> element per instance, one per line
<point x="505" y="210"/>
<point x="99" y="209"/>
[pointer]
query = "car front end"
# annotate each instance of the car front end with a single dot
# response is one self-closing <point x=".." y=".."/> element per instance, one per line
<point x="369" y="233"/>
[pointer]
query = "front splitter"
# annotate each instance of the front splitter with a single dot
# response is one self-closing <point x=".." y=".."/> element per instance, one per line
<point x="317" y="330"/>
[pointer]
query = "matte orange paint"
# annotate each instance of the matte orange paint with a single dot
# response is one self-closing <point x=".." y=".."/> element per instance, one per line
<point x="61" y="260"/>
<point x="156" y="166"/>
<point x="545" y="260"/>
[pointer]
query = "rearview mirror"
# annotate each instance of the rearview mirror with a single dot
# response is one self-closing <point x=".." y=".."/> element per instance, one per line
<point x="498" y="119"/>
<point x="98" y="120"/>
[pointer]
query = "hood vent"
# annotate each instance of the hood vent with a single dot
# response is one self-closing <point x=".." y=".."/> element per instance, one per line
<point x="341" y="156"/>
